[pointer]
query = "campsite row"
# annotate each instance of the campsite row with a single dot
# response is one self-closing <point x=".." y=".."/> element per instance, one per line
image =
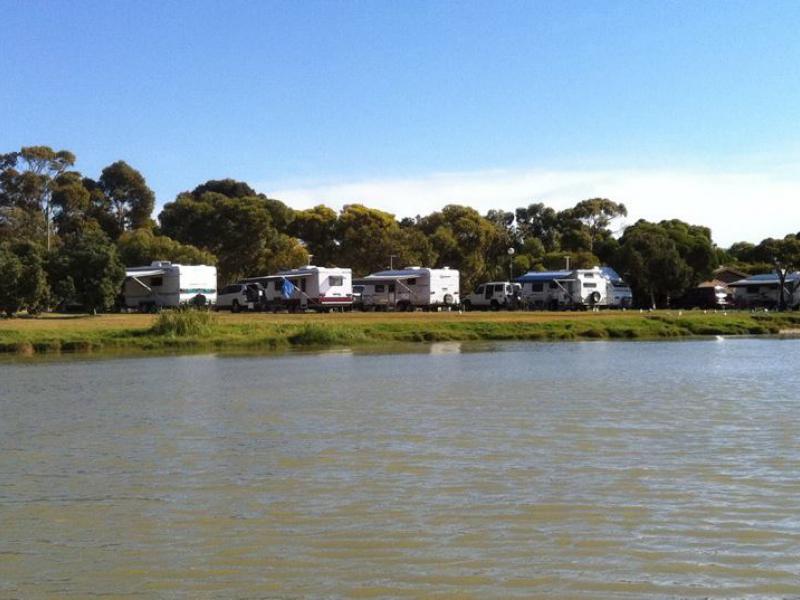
<point x="163" y="284"/>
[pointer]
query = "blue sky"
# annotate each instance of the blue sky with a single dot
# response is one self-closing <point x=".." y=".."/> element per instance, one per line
<point x="680" y="109"/>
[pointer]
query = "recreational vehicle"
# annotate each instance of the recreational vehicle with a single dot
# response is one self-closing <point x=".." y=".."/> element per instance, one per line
<point x="762" y="291"/>
<point x="575" y="289"/>
<point x="406" y="289"/>
<point x="164" y="284"/>
<point x="309" y="287"/>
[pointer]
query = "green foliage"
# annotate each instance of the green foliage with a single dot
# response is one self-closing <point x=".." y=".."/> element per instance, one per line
<point x="365" y="238"/>
<point x="317" y="228"/>
<point x="29" y="189"/>
<point x="464" y="240"/>
<point x="649" y="260"/>
<point x="185" y="322"/>
<point x="131" y="201"/>
<point x="238" y="230"/>
<point x="86" y="270"/>
<point x="142" y="247"/>
<point x="554" y="261"/>
<point x="23" y="281"/>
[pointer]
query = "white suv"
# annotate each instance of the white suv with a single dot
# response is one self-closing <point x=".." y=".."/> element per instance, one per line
<point x="494" y="296"/>
<point x="240" y="296"/>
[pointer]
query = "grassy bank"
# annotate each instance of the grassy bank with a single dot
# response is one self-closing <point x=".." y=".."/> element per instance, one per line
<point x="145" y="333"/>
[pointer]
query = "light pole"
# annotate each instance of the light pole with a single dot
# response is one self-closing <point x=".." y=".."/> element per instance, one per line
<point x="391" y="261"/>
<point x="511" y="252"/>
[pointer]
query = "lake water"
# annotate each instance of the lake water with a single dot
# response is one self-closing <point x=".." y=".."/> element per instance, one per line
<point x="567" y="470"/>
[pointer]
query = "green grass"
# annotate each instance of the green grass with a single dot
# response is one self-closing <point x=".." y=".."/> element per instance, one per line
<point x="192" y="330"/>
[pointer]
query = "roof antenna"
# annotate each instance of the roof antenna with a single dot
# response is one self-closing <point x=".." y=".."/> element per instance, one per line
<point x="567" y="259"/>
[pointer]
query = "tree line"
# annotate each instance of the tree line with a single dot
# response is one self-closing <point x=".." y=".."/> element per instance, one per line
<point x="65" y="239"/>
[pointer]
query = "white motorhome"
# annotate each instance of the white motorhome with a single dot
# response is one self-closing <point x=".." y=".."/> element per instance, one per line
<point x="578" y="288"/>
<point x="405" y="289"/>
<point x="309" y="287"/>
<point x="164" y="284"/>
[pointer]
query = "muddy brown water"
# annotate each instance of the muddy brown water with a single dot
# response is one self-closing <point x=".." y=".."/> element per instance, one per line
<point x="567" y="470"/>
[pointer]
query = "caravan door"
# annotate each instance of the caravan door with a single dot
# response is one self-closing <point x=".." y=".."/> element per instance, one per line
<point x="391" y="295"/>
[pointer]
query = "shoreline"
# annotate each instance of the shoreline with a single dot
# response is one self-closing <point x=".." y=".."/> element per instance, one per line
<point x="120" y="334"/>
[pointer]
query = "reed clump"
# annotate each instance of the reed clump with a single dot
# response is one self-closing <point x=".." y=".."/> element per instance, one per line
<point x="185" y="322"/>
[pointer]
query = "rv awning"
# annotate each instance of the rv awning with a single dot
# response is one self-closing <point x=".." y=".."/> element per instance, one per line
<point x="380" y="278"/>
<point x="147" y="273"/>
<point x="544" y="276"/>
<point x="286" y="276"/>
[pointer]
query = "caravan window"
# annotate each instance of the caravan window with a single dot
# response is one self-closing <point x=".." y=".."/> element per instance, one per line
<point x="335" y="280"/>
<point x="156" y="281"/>
<point x="537" y="286"/>
<point x="412" y="281"/>
<point x="589" y="285"/>
<point x="380" y="288"/>
<point x="553" y="285"/>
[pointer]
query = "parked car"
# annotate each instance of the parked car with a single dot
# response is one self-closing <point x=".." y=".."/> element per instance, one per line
<point x="494" y="295"/>
<point x="241" y="296"/>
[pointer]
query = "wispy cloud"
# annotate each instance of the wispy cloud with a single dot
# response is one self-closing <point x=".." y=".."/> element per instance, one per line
<point x="737" y="206"/>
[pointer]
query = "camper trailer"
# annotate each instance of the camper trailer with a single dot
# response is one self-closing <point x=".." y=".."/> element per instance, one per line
<point x="409" y="288"/>
<point x="577" y="289"/>
<point x="164" y="284"/>
<point x="762" y="291"/>
<point x="307" y="288"/>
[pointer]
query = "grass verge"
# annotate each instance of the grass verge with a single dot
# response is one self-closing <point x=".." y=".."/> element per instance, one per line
<point x="196" y="330"/>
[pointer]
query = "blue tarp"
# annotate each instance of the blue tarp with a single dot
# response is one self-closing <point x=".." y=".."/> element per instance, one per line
<point x="287" y="289"/>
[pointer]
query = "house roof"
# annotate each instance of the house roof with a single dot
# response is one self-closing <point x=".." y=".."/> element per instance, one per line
<point x="728" y="275"/>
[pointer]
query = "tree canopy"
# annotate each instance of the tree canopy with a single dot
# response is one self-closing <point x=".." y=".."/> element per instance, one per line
<point x="52" y="217"/>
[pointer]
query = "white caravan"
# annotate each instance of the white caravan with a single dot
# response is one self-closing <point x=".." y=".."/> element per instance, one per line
<point x="309" y="287"/>
<point x="579" y="288"/>
<point x="164" y="284"/>
<point x="763" y="291"/>
<point x="405" y="289"/>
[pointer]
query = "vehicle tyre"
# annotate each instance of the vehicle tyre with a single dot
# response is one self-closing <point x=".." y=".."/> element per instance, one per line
<point x="594" y="297"/>
<point x="448" y="299"/>
<point x="494" y="305"/>
<point x="467" y="305"/>
<point x="235" y="307"/>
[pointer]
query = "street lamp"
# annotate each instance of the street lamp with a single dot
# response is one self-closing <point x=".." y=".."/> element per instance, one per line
<point x="511" y="252"/>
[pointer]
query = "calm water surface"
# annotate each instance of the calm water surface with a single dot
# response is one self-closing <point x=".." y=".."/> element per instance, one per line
<point x="573" y="470"/>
